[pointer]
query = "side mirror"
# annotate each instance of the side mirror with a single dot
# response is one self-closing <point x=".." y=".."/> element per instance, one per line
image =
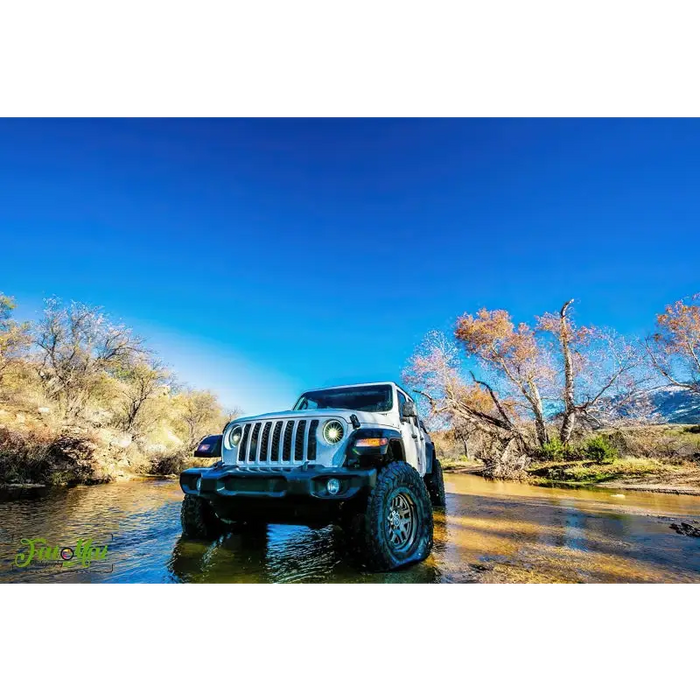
<point x="409" y="410"/>
<point x="210" y="447"/>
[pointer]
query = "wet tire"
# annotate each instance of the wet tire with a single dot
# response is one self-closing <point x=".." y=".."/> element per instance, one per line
<point x="396" y="528"/>
<point x="199" y="519"/>
<point x="435" y="483"/>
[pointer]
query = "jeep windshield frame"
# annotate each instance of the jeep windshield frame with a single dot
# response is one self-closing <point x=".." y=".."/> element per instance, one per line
<point x="374" y="398"/>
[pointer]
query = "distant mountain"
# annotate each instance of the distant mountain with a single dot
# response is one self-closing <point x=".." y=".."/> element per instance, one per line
<point x="677" y="405"/>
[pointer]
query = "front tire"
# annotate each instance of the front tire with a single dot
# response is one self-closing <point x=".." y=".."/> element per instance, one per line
<point x="396" y="528"/>
<point x="199" y="519"/>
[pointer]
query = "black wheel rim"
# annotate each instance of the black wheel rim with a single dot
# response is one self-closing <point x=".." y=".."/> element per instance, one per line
<point x="401" y="521"/>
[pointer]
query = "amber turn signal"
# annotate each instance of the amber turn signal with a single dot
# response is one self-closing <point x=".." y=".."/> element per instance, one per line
<point x="372" y="442"/>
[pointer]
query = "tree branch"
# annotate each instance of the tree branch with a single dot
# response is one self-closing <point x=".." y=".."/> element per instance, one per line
<point x="665" y="372"/>
<point x="495" y="400"/>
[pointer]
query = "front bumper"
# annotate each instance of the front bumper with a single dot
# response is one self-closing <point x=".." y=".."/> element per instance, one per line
<point x="304" y="482"/>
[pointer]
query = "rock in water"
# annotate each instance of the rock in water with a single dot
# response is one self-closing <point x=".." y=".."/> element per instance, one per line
<point x="686" y="529"/>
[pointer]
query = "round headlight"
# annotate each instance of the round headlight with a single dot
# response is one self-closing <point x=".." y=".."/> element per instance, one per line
<point x="333" y="431"/>
<point x="235" y="436"/>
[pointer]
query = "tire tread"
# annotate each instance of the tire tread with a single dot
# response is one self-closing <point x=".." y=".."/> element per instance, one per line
<point x="377" y="555"/>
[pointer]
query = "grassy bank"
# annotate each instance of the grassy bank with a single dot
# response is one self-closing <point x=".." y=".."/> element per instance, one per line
<point x="625" y="473"/>
<point x="662" y="458"/>
<point x="629" y="472"/>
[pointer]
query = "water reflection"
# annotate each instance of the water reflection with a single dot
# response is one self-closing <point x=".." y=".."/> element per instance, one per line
<point x="279" y="554"/>
<point x="491" y="531"/>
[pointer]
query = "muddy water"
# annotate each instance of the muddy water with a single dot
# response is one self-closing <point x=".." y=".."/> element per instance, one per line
<point x="490" y="532"/>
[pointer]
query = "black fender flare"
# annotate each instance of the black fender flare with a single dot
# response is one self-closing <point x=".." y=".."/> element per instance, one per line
<point x="391" y="434"/>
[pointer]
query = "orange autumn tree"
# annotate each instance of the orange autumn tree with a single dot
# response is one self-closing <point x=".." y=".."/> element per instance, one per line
<point x="513" y="357"/>
<point x="674" y="349"/>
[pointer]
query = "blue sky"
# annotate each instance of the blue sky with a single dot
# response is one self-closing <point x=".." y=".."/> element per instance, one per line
<point x="263" y="257"/>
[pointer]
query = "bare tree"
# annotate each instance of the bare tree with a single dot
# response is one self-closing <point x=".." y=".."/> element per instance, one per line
<point x="674" y="349"/>
<point x="466" y="434"/>
<point x="232" y="413"/>
<point x="14" y="337"/>
<point x="600" y="372"/>
<point x="77" y="346"/>
<point x="531" y="378"/>
<point x="142" y="380"/>
<point x="201" y="414"/>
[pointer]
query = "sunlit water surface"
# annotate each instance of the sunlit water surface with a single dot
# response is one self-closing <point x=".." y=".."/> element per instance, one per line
<point x="490" y="532"/>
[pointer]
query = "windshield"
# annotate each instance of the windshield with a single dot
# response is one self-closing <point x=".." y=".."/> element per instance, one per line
<point x="377" y="398"/>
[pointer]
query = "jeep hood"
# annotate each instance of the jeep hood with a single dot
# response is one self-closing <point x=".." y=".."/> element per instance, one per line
<point x="367" y="419"/>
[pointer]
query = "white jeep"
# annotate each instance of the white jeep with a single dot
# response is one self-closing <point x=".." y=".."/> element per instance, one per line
<point x="357" y="456"/>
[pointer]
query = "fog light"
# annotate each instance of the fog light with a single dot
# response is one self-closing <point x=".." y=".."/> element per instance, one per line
<point x="333" y="486"/>
<point x="198" y="485"/>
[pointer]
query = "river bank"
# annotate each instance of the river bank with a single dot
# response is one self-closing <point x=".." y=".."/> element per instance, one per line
<point x="627" y="474"/>
<point x="33" y="455"/>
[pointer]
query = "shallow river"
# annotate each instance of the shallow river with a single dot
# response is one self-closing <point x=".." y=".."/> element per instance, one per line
<point x="490" y="532"/>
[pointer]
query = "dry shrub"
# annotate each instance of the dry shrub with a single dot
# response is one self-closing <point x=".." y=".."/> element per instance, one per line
<point x="70" y="460"/>
<point x="168" y="464"/>
<point x="22" y="460"/>
<point x="654" y="442"/>
<point x="40" y="456"/>
<point x="513" y="469"/>
<point x="138" y="460"/>
<point x="445" y="446"/>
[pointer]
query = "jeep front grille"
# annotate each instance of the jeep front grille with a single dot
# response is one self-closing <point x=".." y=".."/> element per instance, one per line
<point x="299" y="441"/>
<point x="275" y="451"/>
<point x="243" y="446"/>
<point x="278" y="442"/>
<point x="287" y="448"/>
<point x="311" y="450"/>
<point x="253" y="450"/>
<point x="265" y="442"/>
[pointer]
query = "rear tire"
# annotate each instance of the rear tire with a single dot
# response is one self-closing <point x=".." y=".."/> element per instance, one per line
<point x="435" y="483"/>
<point x="396" y="529"/>
<point x="199" y="519"/>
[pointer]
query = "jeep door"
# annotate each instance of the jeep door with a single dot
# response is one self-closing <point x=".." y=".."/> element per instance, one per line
<point x="413" y="438"/>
